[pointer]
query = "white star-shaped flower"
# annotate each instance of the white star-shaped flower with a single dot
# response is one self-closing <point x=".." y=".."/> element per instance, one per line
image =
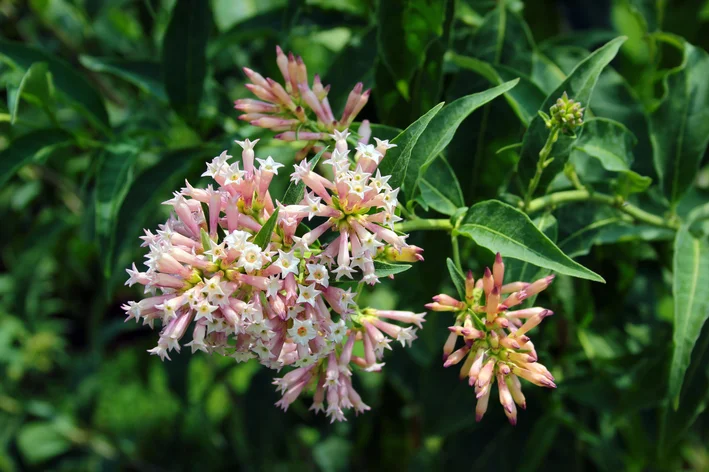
<point x="302" y="331"/>
<point x="269" y="165"/>
<point x="337" y="332"/>
<point x="237" y="239"/>
<point x="247" y="144"/>
<point x="343" y="270"/>
<point x="299" y="171"/>
<point x="307" y="294"/>
<point x="273" y="286"/>
<point x="287" y="262"/>
<point x="215" y="167"/>
<point x="318" y="273"/>
<point x="204" y="310"/>
<point x="250" y="258"/>
<point x="370" y="152"/>
<point x="234" y="174"/>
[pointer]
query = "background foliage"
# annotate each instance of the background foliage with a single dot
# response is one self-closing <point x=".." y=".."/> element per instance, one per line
<point x="112" y="104"/>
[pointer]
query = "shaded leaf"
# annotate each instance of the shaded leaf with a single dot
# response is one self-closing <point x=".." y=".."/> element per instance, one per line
<point x="146" y="75"/>
<point x="67" y="79"/>
<point x="691" y="302"/>
<point x="113" y="180"/>
<point x="40" y="441"/>
<point x="680" y="124"/>
<point x="184" y="59"/>
<point x="36" y="86"/>
<point x="440" y="188"/>
<point x="525" y="98"/>
<point x="457" y="277"/>
<point x="502" y="228"/>
<point x="608" y="141"/>
<point x="24" y="149"/>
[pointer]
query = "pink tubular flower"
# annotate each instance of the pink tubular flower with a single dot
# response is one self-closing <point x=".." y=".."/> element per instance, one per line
<point x="496" y="346"/>
<point x="274" y="296"/>
<point x="287" y="107"/>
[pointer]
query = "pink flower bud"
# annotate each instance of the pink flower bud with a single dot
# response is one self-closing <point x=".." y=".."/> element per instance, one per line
<point x="488" y="282"/>
<point x="498" y="270"/>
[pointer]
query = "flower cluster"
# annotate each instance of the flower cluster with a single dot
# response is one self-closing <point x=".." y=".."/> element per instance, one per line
<point x="566" y="114"/>
<point x="231" y="266"/>
<point x="496" y="346"/>
<point x="289" y="108"/>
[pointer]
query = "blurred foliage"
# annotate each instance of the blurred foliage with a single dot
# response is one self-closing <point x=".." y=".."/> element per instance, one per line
<point x="109" y="105"/>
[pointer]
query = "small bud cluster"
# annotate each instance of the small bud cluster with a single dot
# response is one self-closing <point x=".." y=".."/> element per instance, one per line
<point x="252" y="290"/>
<point x="566" y="114"/>
<point x="496" y="346"/>
<point x="288" y="108"/>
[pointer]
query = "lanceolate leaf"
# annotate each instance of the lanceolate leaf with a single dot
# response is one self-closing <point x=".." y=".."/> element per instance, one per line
<point x="113" y="180"/>
<point x="440" y="188"/>
<point x="439" y="132"/>
<point x="385" y="269"/>
<point x="36" y="86"/>
<point x="296" y="191"/>
<point x="691" y="301"/>
<point x="184" y="58"/>
<point x="680" y="124"/>
<point x="396" y="161"/>
<point x="146" y="75"/>
<point x="457" y="277"/>
<point x="579" y="85"/>
<point x="525" y="98"/>
<point x="67" y="79"/>
<point x="608" y="141"/>
<point x="502" y="228"/>
<point x="263" y="237"/>
<point x="23" y="149"/>
<point x="406" y="30"/>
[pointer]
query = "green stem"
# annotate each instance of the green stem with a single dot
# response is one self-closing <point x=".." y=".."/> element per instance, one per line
<point x="558" y="198"/>
<point x="541" y="164"/>
<point x="422" y="224"/>
<point x="456" y="252"/>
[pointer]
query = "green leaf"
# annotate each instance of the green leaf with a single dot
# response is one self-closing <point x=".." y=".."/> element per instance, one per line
<point x="37" y="87"/>
<point x="263" y="237"/>
<point x="457" y="277"/>
<point x="24" y="149"/>
<point x="524" y="99"/>
<point x="691" y="303"/>
<point x="631" y="182"/>
<point x="41" y="441"/>
<point x="439" y="132"/>
<point x="184" y="59"/>
<point x="502" y="228"/>
<point x="608" y="141"/>
<point x="296" y="191"/>
<point x="440" y="188"/>
<point x="113" y="180"/>
<point x="146" y="75"/>
<point x="396" y="161"/>
<point x="579" y="85"/>
<point x="680" y="124"/>
<point x="406" y="30"/>
<point x="385" y="269"/>
<point x="68" y="80"/>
